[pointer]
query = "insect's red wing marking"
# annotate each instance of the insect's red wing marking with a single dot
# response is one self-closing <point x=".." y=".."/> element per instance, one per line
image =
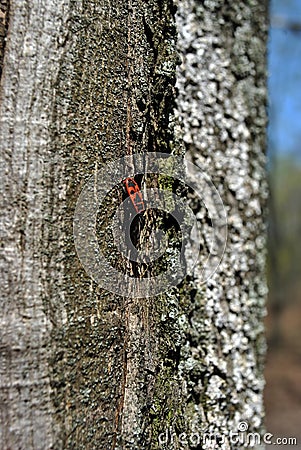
<point x="135" y="194"/>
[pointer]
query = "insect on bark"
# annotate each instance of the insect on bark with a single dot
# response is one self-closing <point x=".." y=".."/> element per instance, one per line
<point x="135" y="194"/>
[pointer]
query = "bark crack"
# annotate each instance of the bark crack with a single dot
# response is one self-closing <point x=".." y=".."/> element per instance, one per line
<point x="4" y="20"/>
<point x="120" y="408"/>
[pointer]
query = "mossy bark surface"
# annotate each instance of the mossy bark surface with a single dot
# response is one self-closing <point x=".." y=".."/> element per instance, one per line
<point x="84" y="83"/>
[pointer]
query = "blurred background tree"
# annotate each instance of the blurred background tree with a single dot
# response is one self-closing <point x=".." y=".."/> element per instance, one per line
<point x="284" y="240"/>
<point x="283" y="371"/>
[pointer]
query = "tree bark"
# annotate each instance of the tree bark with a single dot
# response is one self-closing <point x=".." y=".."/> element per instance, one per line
<point x="221" y="108"/>
<point x="84" y="83"/>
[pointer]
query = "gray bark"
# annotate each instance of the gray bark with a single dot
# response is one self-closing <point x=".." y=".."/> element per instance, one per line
<point x="31" y="66"/>
<point x="88" y="82"/>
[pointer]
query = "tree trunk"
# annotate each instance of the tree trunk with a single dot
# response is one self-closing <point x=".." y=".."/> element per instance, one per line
<point x="85" y="83"/>
<point x="221" y="106"/>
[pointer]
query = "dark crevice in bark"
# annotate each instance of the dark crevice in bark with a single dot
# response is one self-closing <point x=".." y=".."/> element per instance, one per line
<point x="4" y="22"/>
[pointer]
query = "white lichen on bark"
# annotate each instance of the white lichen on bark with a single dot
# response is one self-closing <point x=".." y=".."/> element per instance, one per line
<point x="221" y="112"/>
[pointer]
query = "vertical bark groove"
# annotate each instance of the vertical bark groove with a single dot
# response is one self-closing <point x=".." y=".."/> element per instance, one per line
<point x="4" y="19"/>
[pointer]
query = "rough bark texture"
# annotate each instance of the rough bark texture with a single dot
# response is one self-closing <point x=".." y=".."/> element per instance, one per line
<point x="221" y="108"/>
<point x="30" y="69"/>
<point x="4" y="14"/>
<point x="88" y="82"/>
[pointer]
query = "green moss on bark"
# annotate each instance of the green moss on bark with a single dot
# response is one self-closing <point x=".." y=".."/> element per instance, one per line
<point x="115" y="97"/>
